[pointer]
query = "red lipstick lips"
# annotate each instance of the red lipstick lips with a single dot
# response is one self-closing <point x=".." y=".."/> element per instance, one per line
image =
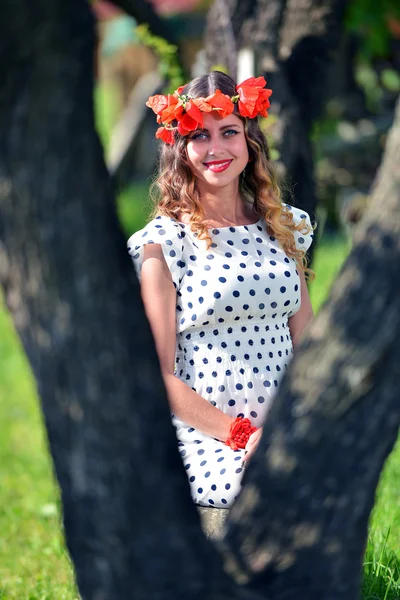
<point x="216" y="166"/>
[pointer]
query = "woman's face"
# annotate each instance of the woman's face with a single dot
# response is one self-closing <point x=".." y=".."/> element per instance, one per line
<point x="218" y="153"/>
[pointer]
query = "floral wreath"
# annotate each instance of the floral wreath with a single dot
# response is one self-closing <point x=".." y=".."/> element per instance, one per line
<point x="252" y="99"/>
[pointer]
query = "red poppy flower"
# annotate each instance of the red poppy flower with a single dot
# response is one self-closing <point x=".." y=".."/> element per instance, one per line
<point x="172" y="111"/>
<point x="202" y="104"/>
<point x="193" y="111"/>
<point x="257" y="82"/>
<point x="253" y="97"/>
<point x="186" y="124"/>
<point x="220" y="102"/>
<point x="179" y="90"/>
<point x="167" y="135"/>
<point x="157" y="103"/>
<point x="263" y="103"/>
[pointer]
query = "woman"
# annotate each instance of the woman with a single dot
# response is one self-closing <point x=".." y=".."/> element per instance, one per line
<point x="222" y="276"/>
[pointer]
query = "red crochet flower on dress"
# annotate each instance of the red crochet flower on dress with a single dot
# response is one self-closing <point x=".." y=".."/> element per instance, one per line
<point x="240" y="431"/>
<point x="253" y="97"/>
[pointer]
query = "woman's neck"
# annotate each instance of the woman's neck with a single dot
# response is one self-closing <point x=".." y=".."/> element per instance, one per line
<point x="226" y="207"/>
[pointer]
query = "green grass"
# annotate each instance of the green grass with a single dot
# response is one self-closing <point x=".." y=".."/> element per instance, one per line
<point x="33" y="561"/>
<point x="329" y="257"/>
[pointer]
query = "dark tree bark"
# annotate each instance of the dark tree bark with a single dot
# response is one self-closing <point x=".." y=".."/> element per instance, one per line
<point x="299" y="527"/>
<point x="295" y="43"/>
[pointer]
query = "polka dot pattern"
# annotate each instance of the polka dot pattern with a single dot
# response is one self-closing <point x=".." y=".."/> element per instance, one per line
<point x="233" y="340"/>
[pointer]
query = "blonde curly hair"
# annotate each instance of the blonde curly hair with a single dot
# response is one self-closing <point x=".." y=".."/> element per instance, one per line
<point x="174" y="192"/>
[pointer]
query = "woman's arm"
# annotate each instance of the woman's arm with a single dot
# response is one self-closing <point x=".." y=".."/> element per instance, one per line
<point x="301" y="319"/>
<point x="159" y="298"/>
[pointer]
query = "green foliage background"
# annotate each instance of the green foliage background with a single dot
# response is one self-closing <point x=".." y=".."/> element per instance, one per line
<point x="369" y="20"/>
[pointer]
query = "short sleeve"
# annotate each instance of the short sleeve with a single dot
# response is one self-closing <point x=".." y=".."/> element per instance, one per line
<point x="304" y="237"/>
<point x="166" y="232"/>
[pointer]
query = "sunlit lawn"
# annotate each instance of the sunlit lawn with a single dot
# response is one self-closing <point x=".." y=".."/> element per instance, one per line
<point x="33" y="561"/>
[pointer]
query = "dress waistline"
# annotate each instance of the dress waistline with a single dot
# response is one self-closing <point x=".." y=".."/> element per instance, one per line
<point x="233" y="331"/>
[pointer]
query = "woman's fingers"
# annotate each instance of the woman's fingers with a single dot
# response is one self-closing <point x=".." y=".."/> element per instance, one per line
<point x="252" y="444"/>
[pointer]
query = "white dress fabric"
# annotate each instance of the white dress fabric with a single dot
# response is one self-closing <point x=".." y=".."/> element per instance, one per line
<point x="233" y="342"/>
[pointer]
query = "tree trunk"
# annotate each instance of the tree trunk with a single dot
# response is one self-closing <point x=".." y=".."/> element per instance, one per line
<point x="299" y="527"/>
<point x="131" y="527"/>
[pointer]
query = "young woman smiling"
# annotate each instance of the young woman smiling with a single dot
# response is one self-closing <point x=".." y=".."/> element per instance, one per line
<point x="222" y="268"/>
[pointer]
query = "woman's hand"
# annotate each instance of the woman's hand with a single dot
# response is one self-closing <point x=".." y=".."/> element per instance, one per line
<point x="252" y="444"/>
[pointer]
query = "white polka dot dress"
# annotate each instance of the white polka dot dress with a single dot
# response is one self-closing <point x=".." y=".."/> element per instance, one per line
<point x="233" y="342"/>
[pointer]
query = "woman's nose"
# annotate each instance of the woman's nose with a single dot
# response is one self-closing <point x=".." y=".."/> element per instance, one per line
<point x="215" y="146"/>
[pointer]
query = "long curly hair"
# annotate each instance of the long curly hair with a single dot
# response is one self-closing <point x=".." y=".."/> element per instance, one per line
<point x="175" y="193"/>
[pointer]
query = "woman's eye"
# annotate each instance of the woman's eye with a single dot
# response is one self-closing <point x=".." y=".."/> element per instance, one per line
<point x="198" y="136"/>
<point x="230" y="132"/>
<point x="201" y="135"/>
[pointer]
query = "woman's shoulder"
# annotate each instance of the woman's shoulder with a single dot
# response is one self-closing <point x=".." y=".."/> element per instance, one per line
<point x="158" y="231"/>
<point x="169" y="234"/>
<point x="298" y="213"/>
<point x="304" y="235"/>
